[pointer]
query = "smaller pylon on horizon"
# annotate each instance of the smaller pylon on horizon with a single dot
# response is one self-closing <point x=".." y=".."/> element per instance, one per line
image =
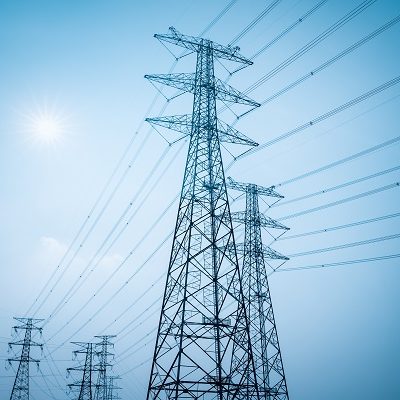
<point x="85" y="385"/>
<point x="104" y="355"/>
<point x="270" y="376"/>
<point x="20" y="390"/>
<point x="112" y="388"/>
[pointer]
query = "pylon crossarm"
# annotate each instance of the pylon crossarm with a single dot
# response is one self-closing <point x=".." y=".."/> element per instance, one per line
<point x="181" y="81"/>
<point x="266" y="251"/>
<point x="227" y="93"/>
<point x="22" y="342"/>
<point x="195" y="44"/>
<point x="273" y="254"/>
<point x="183" y="124"/>
<point x="24" y="321"/>
<point x="267" y="222"/>
<point x="231" y="135"/>
<point x="268" y="191"/>
<point x="25" y="359"/>
<point x="259" y="190"/>
<point x="262" y="220"/>
<point x="186" y="83"/>
<point x="178" y="123"/>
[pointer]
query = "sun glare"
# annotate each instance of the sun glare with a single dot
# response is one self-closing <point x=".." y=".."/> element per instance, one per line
<point x="45" y="125"/>
<point x="47" y="128"/>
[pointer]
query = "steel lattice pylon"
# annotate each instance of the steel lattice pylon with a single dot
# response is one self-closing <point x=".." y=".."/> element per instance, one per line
<point x="20" y="390"/>
<point x="112" y="388"/>
<point x="203" y="317"/>
<point x="103" y="354"/>
<point x="264" y="338"/>
<point x="84" y="386"/>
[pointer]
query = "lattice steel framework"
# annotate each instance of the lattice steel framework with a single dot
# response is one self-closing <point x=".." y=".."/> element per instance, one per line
<point x="203" y="317"/>
<point x="264" y="337"/>
<point x="103" y="366"/>
<point x="20" y="390"/>
<point x="84" y="386"/>
<point x="112" y="388"/>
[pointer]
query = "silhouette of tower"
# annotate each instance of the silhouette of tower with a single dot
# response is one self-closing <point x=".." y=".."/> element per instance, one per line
<point x="104" y="355"/>
<point x="84" y="386"/>
<point x="20" y="390"/>
<point x="264" y="338"/>
<point x="203" y="317"/>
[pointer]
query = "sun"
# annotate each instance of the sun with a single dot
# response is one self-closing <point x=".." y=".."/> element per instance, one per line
<point x="47" y="128"/>
<point x="45" y="125"/>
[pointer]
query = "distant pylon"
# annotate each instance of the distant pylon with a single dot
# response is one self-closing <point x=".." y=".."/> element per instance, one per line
<point x="112" y="388"/>
<point x="264" y="337"/>
<point x="103" y="365"/>
<point x="20" y="390"/>
<point x="203" y="316"/>
<point x="84" y="386"/>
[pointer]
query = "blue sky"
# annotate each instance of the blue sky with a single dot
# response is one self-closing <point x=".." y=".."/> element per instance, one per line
<point x="83" y="64"/>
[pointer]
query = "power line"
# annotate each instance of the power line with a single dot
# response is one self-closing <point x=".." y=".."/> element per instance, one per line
<point x="346" y="245"/>
<point x="321" y="117"/>
<point x="218" y="17"/>
<point x="318" y="39"/>
<point x="137" y="366"/>
<point x="111" y="298"/>
<point x="72" y="292"/>
<point x="332" y="60"/>
<point x="95" y="222"/>
<point x="90" y="214"/>
<point x="337" y="187"/>
<point x="341" y="263"/>
<point x="47" y="385"/>
<point x="254" y="22"/>
<point x="289" y="28"/>
<point x="342" y="201"/>
<point x="52" y="361"/>
<point x="137" y="342"/>
<point x="156" y="301"/>
<point x="81" y="279"/>
<point x="344" y="226"/>
<point x="341" y="161"/>
<point x="144" y="293"/>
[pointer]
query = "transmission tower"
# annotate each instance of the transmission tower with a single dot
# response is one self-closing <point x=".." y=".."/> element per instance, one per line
<point x="20" y="390"/>
<point x="103" y="354"/>
<point x="203" y="317"/>
<point x="264" y="338"/>
<point x="85" y="385"/>
<point x="112" y="388"/>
